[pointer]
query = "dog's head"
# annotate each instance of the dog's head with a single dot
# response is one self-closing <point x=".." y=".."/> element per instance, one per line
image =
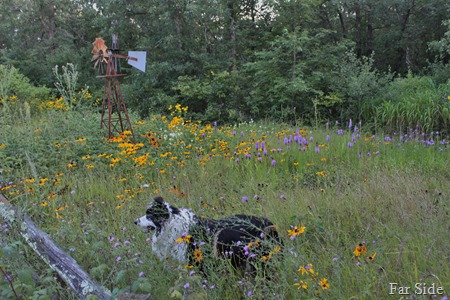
<point x="157" y="214"/>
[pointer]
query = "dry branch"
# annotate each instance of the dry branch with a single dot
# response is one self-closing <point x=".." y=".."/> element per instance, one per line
<point x="66" y="267"/>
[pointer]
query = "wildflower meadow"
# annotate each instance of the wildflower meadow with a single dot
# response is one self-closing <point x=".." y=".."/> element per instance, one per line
<point x="362" y="214"/>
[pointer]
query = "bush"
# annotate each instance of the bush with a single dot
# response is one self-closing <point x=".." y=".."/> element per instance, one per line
<point x="13" y="83"/>
<point x="412" y="102"/>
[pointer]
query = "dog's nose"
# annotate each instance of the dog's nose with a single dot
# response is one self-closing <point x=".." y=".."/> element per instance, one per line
<point x="136" y="222"/>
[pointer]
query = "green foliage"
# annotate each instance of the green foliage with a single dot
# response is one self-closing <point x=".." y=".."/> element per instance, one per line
<point x="22" y="280"/>
<point x="216" y="97"/>
<point x="12" y="82"/>
<point x="246" y="60"/>
<point x="67" y="85"/>
<point x="413" y="102"/>
<point x="358" y="82"/>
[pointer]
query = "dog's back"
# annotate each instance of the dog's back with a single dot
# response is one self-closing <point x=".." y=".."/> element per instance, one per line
<point x="238" y="237"/>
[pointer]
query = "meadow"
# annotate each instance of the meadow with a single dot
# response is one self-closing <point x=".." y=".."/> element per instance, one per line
<point x="361" y="213"/>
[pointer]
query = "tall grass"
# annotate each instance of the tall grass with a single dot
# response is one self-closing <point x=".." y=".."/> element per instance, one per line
<point x="412" y="102"/>
<point x="345" y="186"/>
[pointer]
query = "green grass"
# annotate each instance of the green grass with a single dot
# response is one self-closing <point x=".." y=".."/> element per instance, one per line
<point x="393" y="200"/>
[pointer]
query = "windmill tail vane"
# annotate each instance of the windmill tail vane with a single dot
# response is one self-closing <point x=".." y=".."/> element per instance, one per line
<point x="113" y="104"/>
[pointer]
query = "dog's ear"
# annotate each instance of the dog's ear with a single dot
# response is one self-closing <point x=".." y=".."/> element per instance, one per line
<point x="159" y="199"/>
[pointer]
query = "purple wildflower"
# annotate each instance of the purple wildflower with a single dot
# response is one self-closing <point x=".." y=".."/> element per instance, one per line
<point x="327" y="138"/>
<point x="317" y="150"/>
<point x="274" y="162"/>
<point x="340" y="132"/>
<point x="186" y="285"/>
<point x="350" y="124"/>
<point x="244" y="199"/>
<point x="350" y="144"/>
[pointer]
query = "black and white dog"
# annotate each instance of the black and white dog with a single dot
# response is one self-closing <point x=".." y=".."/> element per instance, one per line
<point x="179" y="234"/>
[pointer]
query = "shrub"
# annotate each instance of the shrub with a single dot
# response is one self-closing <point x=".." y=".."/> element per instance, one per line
<point x="413" y="102"/>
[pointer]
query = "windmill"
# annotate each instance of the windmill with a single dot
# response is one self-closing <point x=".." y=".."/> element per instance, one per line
<point x="107" y="62"/>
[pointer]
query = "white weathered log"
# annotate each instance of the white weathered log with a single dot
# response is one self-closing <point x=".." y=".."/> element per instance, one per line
<point x="66" y="267"/>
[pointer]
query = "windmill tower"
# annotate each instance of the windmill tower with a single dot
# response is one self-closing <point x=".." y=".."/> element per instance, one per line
<point x="114" y="111"/>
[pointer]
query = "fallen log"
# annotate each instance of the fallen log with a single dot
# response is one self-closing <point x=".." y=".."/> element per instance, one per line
<point x="66" y="267"/>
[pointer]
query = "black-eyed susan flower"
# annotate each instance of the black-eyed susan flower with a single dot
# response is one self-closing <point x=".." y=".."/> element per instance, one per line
<point x="51" y="196"/>
<point x="361" y="249"/>
<point x="322" y="174"/>
<point x="308" y="269"/>
<point x="372" y="257"/>
<point x="184" y="238"/>
<point x="301" y="285"/>
<point x="198" y="255"/>
<point x="295" y="231"/>
<point x="324" y="284"/>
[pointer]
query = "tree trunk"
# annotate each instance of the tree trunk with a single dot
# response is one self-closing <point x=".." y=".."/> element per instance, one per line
<point x="358" y="35"/>
<point x="232" y="32"/>
<point x="47" y="16"/>
<point x="370" y="30"/>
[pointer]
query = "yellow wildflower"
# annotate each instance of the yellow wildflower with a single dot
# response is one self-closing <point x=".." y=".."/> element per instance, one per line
<point x="301" y="285"/>
<point x="185" y="238"/>
<point x="198" y="255"/>
<point x="324" y="284"/>
<point x="360" y="250"/>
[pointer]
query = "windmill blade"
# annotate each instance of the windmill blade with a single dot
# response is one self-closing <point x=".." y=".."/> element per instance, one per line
<point x="140" y="61"/>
